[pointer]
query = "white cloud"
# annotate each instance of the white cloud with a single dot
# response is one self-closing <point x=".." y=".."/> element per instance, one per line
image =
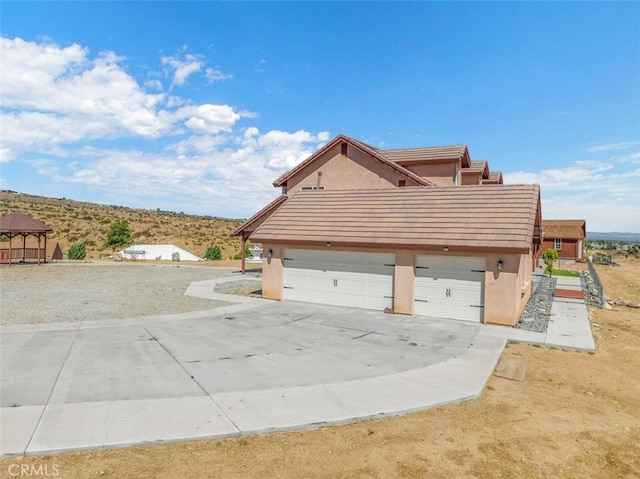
<point x="211" y="119"/>
<point x="575" y="177"/>
<point x="623" y="145"/>
<point x="214" y="75"/>
<point x="6" y="155"/>
<point x="61" y="107"/>
<point x="604" y="194"/>
<point x="183" y="65"/>
<point x="207" y="172"/>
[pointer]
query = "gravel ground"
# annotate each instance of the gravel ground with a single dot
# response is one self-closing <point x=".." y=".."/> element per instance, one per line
<point x="535" y="316"/>
<point x="88" y="291"/>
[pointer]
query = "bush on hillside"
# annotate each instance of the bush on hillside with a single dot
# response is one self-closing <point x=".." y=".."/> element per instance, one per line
<point x="213" y="253"/>
<point x="77" y="251"/>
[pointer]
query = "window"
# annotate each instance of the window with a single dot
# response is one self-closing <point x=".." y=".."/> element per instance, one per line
<point x="310" y="188"/>
<point x="402" y="182"/>
<point x="558" y="244"/>
<point x="284" y="190"/>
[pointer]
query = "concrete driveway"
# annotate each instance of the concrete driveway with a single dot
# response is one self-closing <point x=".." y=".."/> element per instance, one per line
<point x="261" y="367"/>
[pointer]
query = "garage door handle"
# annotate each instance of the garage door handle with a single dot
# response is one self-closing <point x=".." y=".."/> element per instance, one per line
<point x="421" y="301"/>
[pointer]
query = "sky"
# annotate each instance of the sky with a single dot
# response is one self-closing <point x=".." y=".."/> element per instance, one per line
<point x="197" y="107"/>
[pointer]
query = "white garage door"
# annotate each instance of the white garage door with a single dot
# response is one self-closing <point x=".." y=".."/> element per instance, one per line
<point x="449" y="287"/>
<point x="344" y="278"/>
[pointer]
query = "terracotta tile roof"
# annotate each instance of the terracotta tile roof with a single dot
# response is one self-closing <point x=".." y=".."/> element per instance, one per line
<point x="464" y="217"/>
<point x="254" y="221"/>
<point x="476" y="167"/>
<point x="430" y="153"/>
<point x="374" y="153"/>
<point x="21" y="223"/>
<point x="574" y="229"/>
<point x="495" y="178"/>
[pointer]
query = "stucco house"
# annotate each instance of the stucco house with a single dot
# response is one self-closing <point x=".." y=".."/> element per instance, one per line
<point x="409" y="231"/>
<point x="566" y="237"/>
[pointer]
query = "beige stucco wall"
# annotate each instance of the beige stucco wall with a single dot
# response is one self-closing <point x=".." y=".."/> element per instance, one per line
<point x="471" y="178"/>
<point x="505" y="293"/>
<point x="357" y="171"/>
<point x="442" y="174"/>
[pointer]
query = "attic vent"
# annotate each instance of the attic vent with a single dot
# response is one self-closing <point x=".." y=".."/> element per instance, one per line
<point x="402" y="182"/>
<point x="343" y="149"/>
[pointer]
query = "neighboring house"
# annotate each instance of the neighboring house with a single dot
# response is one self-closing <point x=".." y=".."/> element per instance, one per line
<point x="166" y="252"/>
<point x="397" y="230"/>
<point x="566" y="237"/>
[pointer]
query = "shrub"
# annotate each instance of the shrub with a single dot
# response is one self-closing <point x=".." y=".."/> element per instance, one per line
<point x="77" y="251"/>
<point x="549" y="257"/>
<point x="213" y="253"/>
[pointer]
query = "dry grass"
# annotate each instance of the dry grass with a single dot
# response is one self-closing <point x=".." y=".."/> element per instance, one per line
<point x="75" y="222"/>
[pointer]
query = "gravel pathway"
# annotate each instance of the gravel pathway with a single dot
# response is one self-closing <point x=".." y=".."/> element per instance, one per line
<point x="88" y="291"/>
<point x="535" y="316"/>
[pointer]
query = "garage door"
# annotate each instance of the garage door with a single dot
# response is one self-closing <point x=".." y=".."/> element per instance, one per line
<point x="449" y="287"/>
<point x="362" y="280"/>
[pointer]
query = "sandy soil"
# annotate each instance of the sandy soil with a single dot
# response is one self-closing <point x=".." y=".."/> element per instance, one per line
<point x="576" y="415"/>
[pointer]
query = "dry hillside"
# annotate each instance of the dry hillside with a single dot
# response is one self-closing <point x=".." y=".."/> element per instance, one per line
<point x="76" y="222"/>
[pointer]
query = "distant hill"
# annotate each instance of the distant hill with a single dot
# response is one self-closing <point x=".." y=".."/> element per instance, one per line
<point x="75" y="222"/>
<point x="628" y="237"/>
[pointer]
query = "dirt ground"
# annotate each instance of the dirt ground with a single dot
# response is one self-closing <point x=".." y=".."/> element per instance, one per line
<point x="576" y="415"/>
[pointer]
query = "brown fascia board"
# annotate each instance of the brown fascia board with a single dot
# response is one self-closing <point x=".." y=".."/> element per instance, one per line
<point x="536" y="233"/>
<point x="362" y="147"/>
<point x="262" y="214"/>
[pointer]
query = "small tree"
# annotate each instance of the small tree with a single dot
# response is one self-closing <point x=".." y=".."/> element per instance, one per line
<point x="549" y="257"/>
<point x="77" y="251"/>
<point x="213" y="253"/>
<point x="119" y="235"/>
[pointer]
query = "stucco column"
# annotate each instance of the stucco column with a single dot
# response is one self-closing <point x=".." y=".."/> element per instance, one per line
<point x="272" y="272"/>
<point x="403" y="283"/>
<point x="501" y="295"/>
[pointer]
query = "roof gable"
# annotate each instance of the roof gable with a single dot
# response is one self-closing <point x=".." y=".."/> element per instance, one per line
<point x="463" y="217"/>
<point x="371" y="152"/>
<point x="406" y="156"/>
<point x="478" y="167"/>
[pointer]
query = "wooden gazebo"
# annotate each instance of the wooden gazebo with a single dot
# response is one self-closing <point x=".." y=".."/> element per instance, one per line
<point x="18" y="224"/>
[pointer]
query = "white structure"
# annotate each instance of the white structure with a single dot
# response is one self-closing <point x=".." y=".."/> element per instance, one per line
<point x="256" y="254"/>
<point x="167" y="252"/>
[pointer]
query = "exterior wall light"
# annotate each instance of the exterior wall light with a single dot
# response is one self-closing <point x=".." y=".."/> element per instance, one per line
<point x="270" y="253"/>
<point x="500" y="265"/>
<point x="446" y="248"/>
<point x="328" y="245"/>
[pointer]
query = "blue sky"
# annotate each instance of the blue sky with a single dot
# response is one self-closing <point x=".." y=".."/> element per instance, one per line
<point x="199" y="106"/>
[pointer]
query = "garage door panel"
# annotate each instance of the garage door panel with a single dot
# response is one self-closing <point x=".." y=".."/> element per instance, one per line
<point x="449" y="286"/>
<point x="432" y="307"/>
<point x="356" y="279"/>
<point x="466" y="312"/>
